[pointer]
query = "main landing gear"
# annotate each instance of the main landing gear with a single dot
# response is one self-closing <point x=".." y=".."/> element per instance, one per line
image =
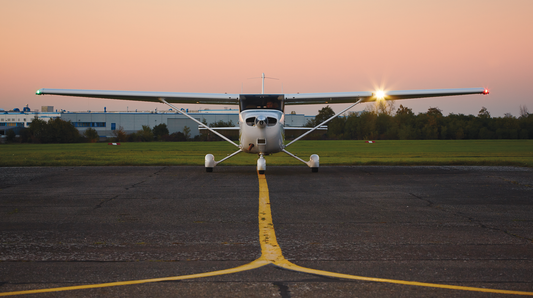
<point x="313" y="162"/>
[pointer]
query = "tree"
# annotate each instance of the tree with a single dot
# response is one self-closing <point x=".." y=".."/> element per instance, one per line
<point x="187" y="132"/>
<point x="159" y="131"/>
<point x="385" y="107"/>
<point x="37" y="130"/>
<point x="524" y="113"/>
<point x="91" y="135"/>
<point x="323" y="114"/>
<point x="120" y="134"/>
<point x="435" y="112"/>
<point x="60" y="131"/>
<point x="430" y="130"/>
<point x="145" y="134"/>
<point x="175" y="137"/>
<point x="336" y="128"/>
<point x="483" y="113"/>
<point x="10" y="135"/>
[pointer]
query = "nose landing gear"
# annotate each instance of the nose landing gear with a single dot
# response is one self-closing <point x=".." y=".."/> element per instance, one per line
<point x="261" y="164"/>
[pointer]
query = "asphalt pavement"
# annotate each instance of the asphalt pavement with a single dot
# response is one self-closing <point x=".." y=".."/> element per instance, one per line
<point x="454" y="226"/>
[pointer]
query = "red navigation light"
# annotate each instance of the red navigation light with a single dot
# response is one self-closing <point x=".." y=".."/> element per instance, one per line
<point x="486" y="91"/>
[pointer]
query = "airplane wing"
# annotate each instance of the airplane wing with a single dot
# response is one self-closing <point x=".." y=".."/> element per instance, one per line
<point x="290" y="99"/>
<point x="172" y="97"/>
<point x="351" y="97"/>
<point x="323" y="127"/>
<point x="219" y="128"/>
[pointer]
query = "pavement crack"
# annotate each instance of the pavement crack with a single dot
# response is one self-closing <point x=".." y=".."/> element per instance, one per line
<point x="511" y="181"/>
<point x="105" y="201"/>
<point x="283" y="289"/>
<point x="149" y="176"/>
<point x="158" y="171"/>
<point x="471" y="219"/>
<point x="366" y="172"/>
<point x="430" y="203"/>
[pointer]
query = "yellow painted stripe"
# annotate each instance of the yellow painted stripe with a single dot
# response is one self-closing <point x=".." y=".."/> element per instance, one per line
<point x="270" y="249"/>
<point x="253" y="265"/>
<point x="290" y="266"/>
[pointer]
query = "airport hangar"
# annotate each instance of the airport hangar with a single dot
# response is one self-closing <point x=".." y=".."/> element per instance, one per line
<point x="105" y="122"/>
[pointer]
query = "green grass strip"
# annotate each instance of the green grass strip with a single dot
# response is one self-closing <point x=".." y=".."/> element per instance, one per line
<point x="345" y="152"/>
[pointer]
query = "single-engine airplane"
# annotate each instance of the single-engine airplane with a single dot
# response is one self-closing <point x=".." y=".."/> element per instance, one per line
<point x="261" y="116"/>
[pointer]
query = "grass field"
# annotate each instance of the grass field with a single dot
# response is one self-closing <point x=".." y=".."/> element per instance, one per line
<point x="427" y="152"/>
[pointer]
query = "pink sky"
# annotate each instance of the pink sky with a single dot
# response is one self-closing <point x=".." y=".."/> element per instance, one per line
<point x="311" y="46"/>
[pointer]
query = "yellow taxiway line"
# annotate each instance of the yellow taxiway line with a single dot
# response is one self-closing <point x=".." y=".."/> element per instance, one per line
<point x="253" y="265"/>
<point x="270" y="254"/>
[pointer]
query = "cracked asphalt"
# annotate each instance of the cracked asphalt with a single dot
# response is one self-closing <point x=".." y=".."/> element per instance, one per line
<point x="64" y="226"/>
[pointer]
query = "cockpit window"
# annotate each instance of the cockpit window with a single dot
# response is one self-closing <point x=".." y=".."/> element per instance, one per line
<point x="261" y="101"/>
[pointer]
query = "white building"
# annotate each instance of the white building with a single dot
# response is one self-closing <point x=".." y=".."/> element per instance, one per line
<point x="106" y="122"/>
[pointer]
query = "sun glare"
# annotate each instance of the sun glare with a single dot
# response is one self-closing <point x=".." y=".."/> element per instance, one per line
<point x="380" y="94"/>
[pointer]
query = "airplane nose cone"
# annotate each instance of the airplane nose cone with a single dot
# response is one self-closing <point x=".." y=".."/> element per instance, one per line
<point x="261" y="121"/>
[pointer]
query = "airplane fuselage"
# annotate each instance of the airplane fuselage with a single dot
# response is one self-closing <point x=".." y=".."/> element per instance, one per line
<point x="261" y="131"/>
<point x="261" y="121"/>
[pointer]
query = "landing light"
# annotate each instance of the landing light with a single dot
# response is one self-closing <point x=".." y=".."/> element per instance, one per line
<point x="380" y="94"/>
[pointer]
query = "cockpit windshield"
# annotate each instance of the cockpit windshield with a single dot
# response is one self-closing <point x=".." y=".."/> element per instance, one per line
<point x="261" y="101"/>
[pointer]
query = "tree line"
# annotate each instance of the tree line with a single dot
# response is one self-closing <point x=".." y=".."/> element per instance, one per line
<point x="380" y="122"/>
<point x="57" y="130"/>
<point x="383" y="122"/>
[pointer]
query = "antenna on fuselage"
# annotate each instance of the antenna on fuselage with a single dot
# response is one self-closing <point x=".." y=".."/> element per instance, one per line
<point x="263" y="82"/>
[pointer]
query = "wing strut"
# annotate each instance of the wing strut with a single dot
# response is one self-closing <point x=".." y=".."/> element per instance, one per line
<point x="318" y="126"/>
<point x="200" y="123"/>
<point x="229" y="156"/>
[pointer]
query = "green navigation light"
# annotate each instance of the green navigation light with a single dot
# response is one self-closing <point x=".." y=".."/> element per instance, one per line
<point x="38" y="92"/>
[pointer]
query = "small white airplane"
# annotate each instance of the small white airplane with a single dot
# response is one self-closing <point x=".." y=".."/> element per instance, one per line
<point x="262" y="117"/>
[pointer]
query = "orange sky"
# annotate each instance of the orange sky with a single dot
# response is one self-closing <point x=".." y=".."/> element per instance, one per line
<point x="311" y="46"/>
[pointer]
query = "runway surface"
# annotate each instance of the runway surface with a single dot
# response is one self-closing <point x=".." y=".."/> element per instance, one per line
<point x="449" y="226"/>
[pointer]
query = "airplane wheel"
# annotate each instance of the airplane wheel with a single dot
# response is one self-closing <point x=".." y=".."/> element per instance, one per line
<point x="261" y="172"/>
<point x="314" y="170"/>
<point x="209" y="170"/>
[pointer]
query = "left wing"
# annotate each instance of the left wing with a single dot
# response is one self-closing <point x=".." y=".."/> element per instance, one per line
<point x="351" y="97"/>
<point x="219" y="128"/>
<point x="172" y="97"/>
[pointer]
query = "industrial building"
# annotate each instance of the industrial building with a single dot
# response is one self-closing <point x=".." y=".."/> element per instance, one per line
<point x="106" y="122"/>
<point x="17" y="120"/>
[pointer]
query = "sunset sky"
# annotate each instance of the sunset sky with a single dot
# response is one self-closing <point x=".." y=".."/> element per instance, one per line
<point x="310" y="46"/>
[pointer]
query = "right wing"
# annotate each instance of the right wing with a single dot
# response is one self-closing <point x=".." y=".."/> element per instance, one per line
<point x="366" y="96"/>
<point x="323" y="127"/>
<point x="172" y="97"/>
